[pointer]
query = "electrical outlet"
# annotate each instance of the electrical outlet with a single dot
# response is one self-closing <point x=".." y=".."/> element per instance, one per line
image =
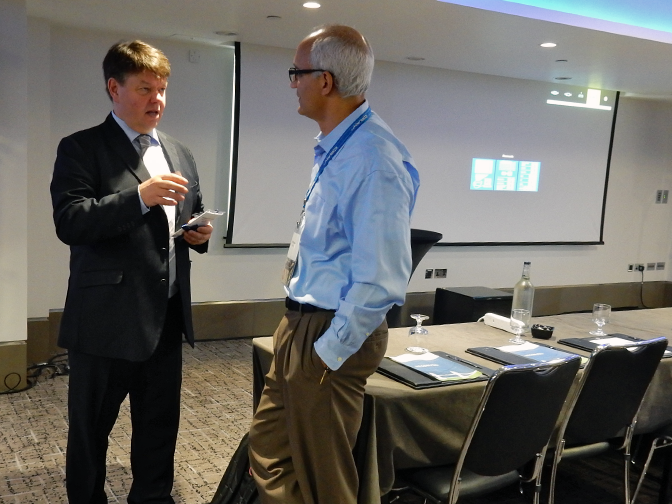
<point x="660" y="266"/>
<point x="631" y="267"/>
<point x="440" y="273"/>
<point x="659" y="196"/>
<point x="666" y="193"/>
<point x="650" y="266"/>
<point x="639" y="267"/>
<point x="429" y="273"/>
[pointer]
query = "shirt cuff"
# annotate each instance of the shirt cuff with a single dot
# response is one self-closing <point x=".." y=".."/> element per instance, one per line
<point x="143" y="208"/>
<point x="332" y="352"/>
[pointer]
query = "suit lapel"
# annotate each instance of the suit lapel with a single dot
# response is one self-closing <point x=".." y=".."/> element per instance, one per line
<point x="120" y="144"/>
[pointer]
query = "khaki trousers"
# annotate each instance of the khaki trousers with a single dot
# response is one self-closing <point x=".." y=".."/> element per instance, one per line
<point x="303" y="431"/>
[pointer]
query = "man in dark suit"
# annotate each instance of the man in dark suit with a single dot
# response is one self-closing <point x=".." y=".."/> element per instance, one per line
<point x="119" y="190"/>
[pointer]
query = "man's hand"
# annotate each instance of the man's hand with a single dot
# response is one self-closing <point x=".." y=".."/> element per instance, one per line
<point x="166" y="189"/>
<point x="199" y="235"/>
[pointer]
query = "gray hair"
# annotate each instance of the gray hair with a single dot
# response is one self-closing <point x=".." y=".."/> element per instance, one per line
<point x="346" y="54"/>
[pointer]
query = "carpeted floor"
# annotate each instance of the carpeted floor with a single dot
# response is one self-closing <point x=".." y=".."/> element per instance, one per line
<point x="216" y="411"/>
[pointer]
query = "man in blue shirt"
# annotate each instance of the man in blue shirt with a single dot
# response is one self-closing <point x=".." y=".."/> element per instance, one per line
<point x="349" y="262"/>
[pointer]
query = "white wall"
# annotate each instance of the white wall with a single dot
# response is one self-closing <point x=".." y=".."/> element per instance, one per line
<point x="46" y="261"/>
<point x="636" y="230"/>
<point x="68" y="94"/>
<point x="13" y="170"/>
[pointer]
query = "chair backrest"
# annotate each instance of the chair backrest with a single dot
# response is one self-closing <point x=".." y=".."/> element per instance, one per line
<point x="516" y="417"/>
<point x="611" y="390"/>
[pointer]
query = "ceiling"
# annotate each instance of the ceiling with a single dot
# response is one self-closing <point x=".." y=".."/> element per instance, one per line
<point x="446" y="35"/>
<point x="650" y="19"/>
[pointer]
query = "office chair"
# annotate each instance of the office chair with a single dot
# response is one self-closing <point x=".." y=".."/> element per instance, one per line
<point x="512" y="427"/>
<point x="604" y="406"/>
<point x="663" y="440"/>
<point x="421" y="242"/>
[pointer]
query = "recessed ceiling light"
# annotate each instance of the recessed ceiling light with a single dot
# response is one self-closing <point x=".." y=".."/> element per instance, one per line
<point x="555" y="93"/>
<point x="568" y="94"/>
<point x="225" y="33"/>
<point x="312" y="5"/>
<point x="415" y="58"/>
<point x="563" y="78"/>
<point x="273" y="17"/>
<point x="548" y="44"/>
<point x="561" y="61"/>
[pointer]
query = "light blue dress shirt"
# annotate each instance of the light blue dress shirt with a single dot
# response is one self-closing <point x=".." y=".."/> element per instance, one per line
<point x="355" y="248"/>
<point x="132" y="134"/>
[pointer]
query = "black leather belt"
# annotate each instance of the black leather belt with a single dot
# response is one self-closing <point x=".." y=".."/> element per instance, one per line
<point x="292" y="305"/>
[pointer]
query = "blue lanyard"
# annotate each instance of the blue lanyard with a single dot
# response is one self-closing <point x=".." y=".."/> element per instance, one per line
<point x="336" y="149"/>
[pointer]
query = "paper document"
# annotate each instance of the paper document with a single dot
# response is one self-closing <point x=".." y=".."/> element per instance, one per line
<point x="438" y="367"/>
<point x="616" y="341"/>
<point x="202" y="219"/>
<point x="611" y="341"/>
<point x="538" y="353"/>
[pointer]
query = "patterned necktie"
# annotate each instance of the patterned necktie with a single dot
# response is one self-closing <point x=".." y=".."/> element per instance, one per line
<point x="143" y="142"/>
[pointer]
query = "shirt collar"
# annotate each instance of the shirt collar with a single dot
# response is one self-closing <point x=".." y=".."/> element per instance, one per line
<point x="325" y="143"/>
<point x="132" y="134"/>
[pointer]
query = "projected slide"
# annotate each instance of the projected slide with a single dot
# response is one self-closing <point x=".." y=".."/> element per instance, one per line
<point x="504" y="175"/>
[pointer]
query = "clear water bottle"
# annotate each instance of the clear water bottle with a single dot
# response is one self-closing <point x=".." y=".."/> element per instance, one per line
<point x="523" y="291"/>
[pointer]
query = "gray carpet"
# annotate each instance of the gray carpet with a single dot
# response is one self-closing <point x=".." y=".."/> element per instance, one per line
<point x="216" y="411"/>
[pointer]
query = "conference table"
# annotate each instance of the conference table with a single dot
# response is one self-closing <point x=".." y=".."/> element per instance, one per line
<point x="404" y="427"/>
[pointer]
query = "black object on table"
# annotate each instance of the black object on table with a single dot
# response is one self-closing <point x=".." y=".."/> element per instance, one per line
<point x="455" y="305"/>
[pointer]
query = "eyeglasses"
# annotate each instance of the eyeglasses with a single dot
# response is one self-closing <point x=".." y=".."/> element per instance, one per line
<point x="295" y="72"/>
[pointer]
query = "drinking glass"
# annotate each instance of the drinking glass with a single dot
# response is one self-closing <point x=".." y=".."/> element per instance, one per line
<point x="520" y="321"/>
<point x="601" y="314"/>
<point x="416" y="331"/>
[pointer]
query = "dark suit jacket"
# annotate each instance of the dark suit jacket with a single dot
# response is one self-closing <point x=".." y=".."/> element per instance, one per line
<point x="118" y="287"/>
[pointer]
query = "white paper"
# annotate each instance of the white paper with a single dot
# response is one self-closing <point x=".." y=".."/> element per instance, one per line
<point x="518" y="348"/>
<point x="202" y="219"/>
<point x="611" y="341"/>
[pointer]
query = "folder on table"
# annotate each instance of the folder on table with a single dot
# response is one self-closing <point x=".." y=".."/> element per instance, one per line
<point x="527" y="353"/>
<point x="589" y="343"/>
<point x="433" y="369"/>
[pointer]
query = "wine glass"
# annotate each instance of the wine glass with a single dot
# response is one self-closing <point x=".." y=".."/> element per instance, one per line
<point x="601" y="314"/>
<point x="520" y="321"/>
<point x="416" y="331"/>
